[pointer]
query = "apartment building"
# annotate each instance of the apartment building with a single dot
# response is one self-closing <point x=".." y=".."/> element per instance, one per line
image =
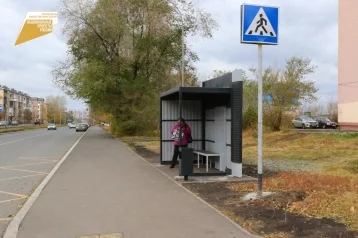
<point x="80" y="115"/>
<point x="13" y="103"/>
<point x="347" y="66"/>
<point x="37" y="107"/>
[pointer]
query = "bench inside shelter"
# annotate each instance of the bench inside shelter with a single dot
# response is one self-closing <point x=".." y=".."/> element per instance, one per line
<point x="207" y="155"/>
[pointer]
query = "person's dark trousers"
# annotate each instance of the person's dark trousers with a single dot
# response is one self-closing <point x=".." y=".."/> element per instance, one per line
<point x="175" y="155"/>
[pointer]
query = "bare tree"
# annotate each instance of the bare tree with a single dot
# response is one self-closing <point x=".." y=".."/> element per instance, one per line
<point x="332" y="109"/>
<point x="27" y="115"/>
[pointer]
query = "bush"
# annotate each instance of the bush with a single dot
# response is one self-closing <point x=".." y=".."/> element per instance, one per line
<point x="250" y="118"/>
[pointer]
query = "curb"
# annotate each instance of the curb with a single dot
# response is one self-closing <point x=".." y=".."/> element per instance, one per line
<point x="190" y="192"/>
<point x="13" y="227"/>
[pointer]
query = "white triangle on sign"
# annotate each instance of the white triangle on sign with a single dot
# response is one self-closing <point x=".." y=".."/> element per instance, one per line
<point x="261" y="25"/>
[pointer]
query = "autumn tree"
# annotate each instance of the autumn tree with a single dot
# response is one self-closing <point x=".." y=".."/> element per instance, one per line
<point x="27" y="115"/>
<point x="43" y="116"/>
<point x="218" y="72"/>
<point x="70" y="116"/>
<point x="55" y="109"/>
<point x="285" y="89"/>
<point x="19" y="115"/>
<point x="123" y="54"/>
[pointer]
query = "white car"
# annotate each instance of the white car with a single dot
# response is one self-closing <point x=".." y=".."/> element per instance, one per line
<point x="304" y="122"/>
<point x="51" y="126"/>
<point x="72" y="125"/>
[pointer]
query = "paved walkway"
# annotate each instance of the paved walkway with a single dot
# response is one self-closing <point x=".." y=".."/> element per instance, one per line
<point x="103" y="187"/>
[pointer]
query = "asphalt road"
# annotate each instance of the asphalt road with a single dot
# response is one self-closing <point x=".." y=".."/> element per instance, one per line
<point x="25" y="159"/>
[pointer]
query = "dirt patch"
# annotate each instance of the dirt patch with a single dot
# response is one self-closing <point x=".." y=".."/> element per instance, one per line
<point x="251" y="170"/>
<point x="147" y="154"/>
<point x="269" y="216"/>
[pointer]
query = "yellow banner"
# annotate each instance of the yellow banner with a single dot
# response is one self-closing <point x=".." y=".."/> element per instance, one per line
<point x="36" y="24"/>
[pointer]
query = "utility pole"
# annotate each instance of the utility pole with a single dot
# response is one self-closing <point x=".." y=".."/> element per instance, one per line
<point x="182" y="56"/>
<point x="182" y="43"/>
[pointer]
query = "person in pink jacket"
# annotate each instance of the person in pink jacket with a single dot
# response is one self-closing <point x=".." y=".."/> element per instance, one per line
<point x="185" y="131"/>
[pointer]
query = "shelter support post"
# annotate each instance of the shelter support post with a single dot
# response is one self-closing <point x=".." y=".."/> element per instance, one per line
<point x="180" y="113"/>
<point x="236" y="123"/>
<point x="161" y="131"/>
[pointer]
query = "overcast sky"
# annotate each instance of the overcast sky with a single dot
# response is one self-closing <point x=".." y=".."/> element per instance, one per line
<point x="307" y="29"/>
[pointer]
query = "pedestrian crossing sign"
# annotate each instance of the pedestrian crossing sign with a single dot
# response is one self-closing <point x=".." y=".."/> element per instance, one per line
<point x="259" y="24"/>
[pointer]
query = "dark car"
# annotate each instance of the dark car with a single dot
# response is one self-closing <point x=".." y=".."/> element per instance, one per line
<point x="324" y="122"/>
<point x="37" y="123"/>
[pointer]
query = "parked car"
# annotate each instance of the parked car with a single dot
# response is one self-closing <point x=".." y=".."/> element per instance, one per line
<point x="304" y="122"/>
<point x="14" y="123"/>
<point x="81" y="127"/>
<point x="324" y="122"/>
<point x="37" y="123"/>
<point x="51" y="126"/>
<point x="4" y="123"/>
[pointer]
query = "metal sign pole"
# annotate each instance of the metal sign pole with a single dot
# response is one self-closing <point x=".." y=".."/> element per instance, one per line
<point x="259" y="25"/>
<point x="259" y="122"/>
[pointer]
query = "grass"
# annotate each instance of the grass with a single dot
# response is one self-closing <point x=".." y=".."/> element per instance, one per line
<point x="326" y="195"/>
<point x="4" y="130"/>
<point x="334" y="151"/>
<point x="332" y="192"/>
<point x="352" y="166"/>
<point x="23" y="128"/>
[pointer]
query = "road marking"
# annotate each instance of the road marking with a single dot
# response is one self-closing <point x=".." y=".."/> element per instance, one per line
<point x="13" y="227"/>
<point x="19" y="165"/>
<point x="39" y="159"/>
<point x="10" y="142"/>
<point x="113" y="235"/>
<point x="19" y="177"/>
<point x="91" y="236"/>
<point x="11" y="200"/>
<point x="5" y="219"/>
<point x="13" y="194"/>
<point x="23" y="170"/>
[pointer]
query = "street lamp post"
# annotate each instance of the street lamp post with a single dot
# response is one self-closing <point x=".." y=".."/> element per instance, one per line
<point x="182" y="45"/>
<point x="182" y="56"/>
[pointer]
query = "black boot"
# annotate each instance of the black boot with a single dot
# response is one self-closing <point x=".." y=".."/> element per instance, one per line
<point x="171" y="166"/>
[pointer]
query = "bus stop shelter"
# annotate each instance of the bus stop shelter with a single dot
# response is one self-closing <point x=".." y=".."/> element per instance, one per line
<point x="214" y="114"/>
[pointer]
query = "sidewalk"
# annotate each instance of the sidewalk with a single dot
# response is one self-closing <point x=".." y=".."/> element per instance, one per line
<point x="103" y="187"/>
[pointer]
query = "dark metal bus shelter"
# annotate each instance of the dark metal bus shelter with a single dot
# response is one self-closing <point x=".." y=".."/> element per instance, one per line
<point x="214" y="114"/>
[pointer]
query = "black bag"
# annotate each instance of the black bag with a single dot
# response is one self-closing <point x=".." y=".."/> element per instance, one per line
<point x="190" y="139"/>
